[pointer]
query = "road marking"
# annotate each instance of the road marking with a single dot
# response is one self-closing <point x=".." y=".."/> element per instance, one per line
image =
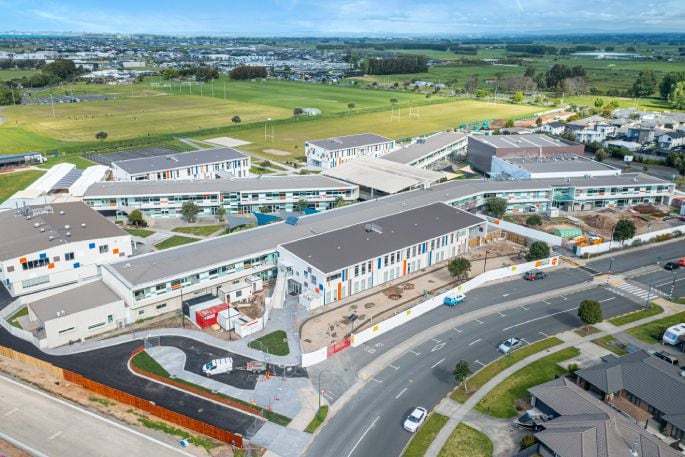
<point x="362" y="437"/>
<point x="501" y="314"/>
<point x="474" y="342"/>
<point x="505" y="295"/>
<point x="538" y="318"/>
<point x="607" y="299"/>
<point x="561" y="296"/>
<point x="436" y="340"/>
<point x="669" y="282"/>
<point x="524" y="308"/>
<point x="438" y="346"/>
<point x="437" y="363"/>
<point x="400" y="394"/>
<point x="379" y="345"/>
<point x="11" y="411"/>
<point x="544" y="334"/>
<point x="54" y="435"/>
<point x="376" y="380"/>
<point x="456" y="329"/>
<point x="479" y="363"/>
<point x="545" y="301"/>
<point x="480" y="321"/>
<point x="415" y="353"/>
<point x="524" y="340"/>
<point x="393" y="366"/>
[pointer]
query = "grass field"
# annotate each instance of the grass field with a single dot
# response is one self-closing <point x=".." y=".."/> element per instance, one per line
<point x="425" y="436"/>
<point x="139" y="232"/>
<point x="199" y="230"/>
<point x="13" y="182"/>
<point x="14" y="318"/>
<point x="466" y="441"/>
<point x="174" y="241"/>
<point x="651" y="333"/>
<point x="500" y="401"/>
<point x="653" y="310"/>
<point x="275" y="343"/>
<point x="79" y="161"/>
<point x="6" y="75"/>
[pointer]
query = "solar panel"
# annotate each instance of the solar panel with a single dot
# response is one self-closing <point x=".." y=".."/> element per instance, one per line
<point x="292" y="220"/>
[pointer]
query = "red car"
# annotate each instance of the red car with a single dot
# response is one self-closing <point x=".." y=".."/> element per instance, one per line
<point x="681" y="262"/>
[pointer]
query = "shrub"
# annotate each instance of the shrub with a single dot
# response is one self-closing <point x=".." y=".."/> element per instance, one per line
<point x="527" y="441"/>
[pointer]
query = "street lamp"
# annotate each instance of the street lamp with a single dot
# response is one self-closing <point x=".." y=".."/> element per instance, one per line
<point x="486" y="260"/>
<point x="318" y="412"/>
<point x="611" y="263"/>
<point x="651" y="283"/>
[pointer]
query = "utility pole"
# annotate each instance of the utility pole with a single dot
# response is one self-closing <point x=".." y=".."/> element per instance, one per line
<point x="670" y="296"/>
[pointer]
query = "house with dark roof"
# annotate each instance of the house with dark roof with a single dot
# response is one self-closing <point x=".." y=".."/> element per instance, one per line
<point x="645" y="387"/>
<point x="554" y="128"/>
<point x="672" y="139"/>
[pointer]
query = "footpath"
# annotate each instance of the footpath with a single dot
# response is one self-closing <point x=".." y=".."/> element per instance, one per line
<point x="457" y="411"/>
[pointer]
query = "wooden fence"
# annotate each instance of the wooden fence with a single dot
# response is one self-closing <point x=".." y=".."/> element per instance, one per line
<point x="31" y="361"/>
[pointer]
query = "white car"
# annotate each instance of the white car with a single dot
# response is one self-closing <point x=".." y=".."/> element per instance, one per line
<point x="509" y="345"/>
<point x="415" y="419"/>
<point x="218" y="366"/>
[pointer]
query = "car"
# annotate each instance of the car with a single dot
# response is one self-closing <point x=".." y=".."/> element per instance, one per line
<point x="508" y="345"/>
<point x="218" y="366"/>
<point x="666" y="357"/>
<point x="415" y="419"/>
<point x="681" y="262"/>
<point x="454" y="299"/>
<point x="532" y="275"/>
<point x="671" y="266"/>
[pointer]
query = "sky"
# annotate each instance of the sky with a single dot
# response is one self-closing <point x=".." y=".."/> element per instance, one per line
<point x="343" y="17"/>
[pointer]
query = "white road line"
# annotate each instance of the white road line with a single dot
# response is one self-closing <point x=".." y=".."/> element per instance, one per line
<point x="505" y="295"/>
<point x="479" y="363"/>
<point x="561" y="296"/>
<point x="501" y="314"/>
<point x="438" y="346"/>
<point x="376" y="380"/>
<point x="11" y="411"/>
<point x="524" y="308"/>
<point x="524" y="340"/>
<point x="474" y="342"/>
<point x="54" y="435"/>
<point x="393" y="366"/>
<point x="456" y="330"/>
<point x="538" y="318"/>
<point x="415" y="353"/>
<point x="545" y="301"/>
<point x="437" y="363"/>
<point x="669" y="282"/>
<point x="400" y="394"/>
<point x="436" y="340"/>
<point x="362" y="437"/>
<point x="544" y="334"/>
<point x="607" y="299"/>
<point x="480" y="321"/>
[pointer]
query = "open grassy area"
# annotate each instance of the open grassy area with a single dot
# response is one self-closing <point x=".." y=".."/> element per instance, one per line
<point x="610" y="343"/>
<point x="425" y="436"/>
<point x="13" y="182"/>
<point x="176" y="240"/>
<point x="652" y="332"/>
<point x="488" y="372"/>
<point x="653" y="310"/>
<point x="318" y="419"/>
<point x="199" y="230"/>
<point x="13" y="320"/>
<point x="275" y="343"/>
<point x="139" y="232"/>
<point x="145" y="362"/>
<point x="6" y="75"/>
<point x="174" y="431"/>
<point x="73" y="159"/>
<point x="500" y="401"/>
<point x="466" y="441"/>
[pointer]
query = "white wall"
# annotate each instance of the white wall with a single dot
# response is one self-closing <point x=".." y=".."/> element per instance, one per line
<point x="552" y="240"/>
<point x="79" y="323"/>
<point x="609" y="245"/>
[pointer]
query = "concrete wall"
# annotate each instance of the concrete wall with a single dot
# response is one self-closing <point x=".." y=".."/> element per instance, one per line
<point x="609" y="245"/>
<point x="73" y="327"/>
<point x="530" y="233"/>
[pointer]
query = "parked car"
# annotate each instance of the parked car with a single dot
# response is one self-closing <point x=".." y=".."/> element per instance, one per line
<point x="415" y="419"/>
<point x="508" y="345"/>
<point x="666" y="357"/>
<point x="218" y="366"/>
<point x="671" y="266"/>
<point x="532" y="275"/>
<point x="454" y="299"/>
<point x="681" y="262"/>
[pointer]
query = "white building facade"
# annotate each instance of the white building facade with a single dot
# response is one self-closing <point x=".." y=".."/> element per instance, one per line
<point x="331" y="152"/>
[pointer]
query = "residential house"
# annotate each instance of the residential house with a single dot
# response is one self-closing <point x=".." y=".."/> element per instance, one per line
<point x="672" y="139"/>
<point x="554" y="128"/>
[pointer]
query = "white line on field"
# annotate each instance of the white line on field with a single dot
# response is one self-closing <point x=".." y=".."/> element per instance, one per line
<point x="505" y="295"/>
<point x="11" y="411"/>
<point x="544" y="334"/>
<point x="524" y="308"/>
<point x="377" y="380"/>
<point x="55" y="435"/>
<point x="607" y="299"/>
<point x="436" y="340"/>
<point x="501" y="314"/>
<point x="456" y="329"/>
<point x="480" y="321"/>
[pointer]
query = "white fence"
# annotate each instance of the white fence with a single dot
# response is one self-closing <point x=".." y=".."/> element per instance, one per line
<point x="434" y="302"/>
<point x="21" y="333"/>
<point x="12" y="308"/>
<point x="552" y="240"/>
<point x="609" y="245"/>
<point x="312" y="358"/>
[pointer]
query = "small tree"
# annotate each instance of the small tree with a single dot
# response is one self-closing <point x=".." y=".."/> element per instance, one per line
<point x="393" y="101"/>
<point x="496" y="206"/>
<point x="590" y="312"/>
<point x="298" y="111"/>
<point x="600" y="155"/>
<point x="301" y="205"/>
<point x="136" y="219"/>
<point x="101" y="135"/>
<point x="189" y="211"/>
<point x="517" y="97"/>
<point x="459" y="267"/>
<point x="534" y="220"/>
<point x="538" y="250"/>
<point x="624" y="230"/>
<point x="510" y="123"/>
<point x="598" y="103"/>
<point x="538" y="122"/>
<point x="527" y="441"/>
<point x="351" y="105"/>
<point x="221" y="212"/>
<point x="235" y="119"/>
<point x="461" y="372"/>
<point x="339" y="201"/>
<point x="264" y="209"/>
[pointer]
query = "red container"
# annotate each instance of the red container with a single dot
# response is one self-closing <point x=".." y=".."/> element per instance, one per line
<point x="207" y="317"/>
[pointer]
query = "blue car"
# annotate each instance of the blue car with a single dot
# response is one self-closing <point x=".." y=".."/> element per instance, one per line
<point x="454" y="299"/>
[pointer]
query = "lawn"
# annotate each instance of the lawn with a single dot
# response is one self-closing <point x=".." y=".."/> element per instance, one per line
<point x="275" y="343"/>
<point x="466" y="441"/>
<point x="653" y="310"/>
<point x="73" y="159"/>
<point x="652" y="332"/>
<point x="6" y="75"/>
<point x="174" y="241"/>
<point x="424" y="437"/>
<point x="199" y="230"/>
<point x="488" y="372"/>
<point x="10" y="183"/>
<point x="610" y="343"/>
<point x="255" y="170"/>
<point x="500" y="401"/>
<point x="14" y="319"/>
<point x="318" y="419"/>
<point x="145" y="362"/>
<point x="139" y="232"/>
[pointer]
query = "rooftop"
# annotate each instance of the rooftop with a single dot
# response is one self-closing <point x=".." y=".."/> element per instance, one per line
<point x="349" y="141"/>
<point x="559" y="162"/>
<point x="179" y="160"/>
<point x="424" y="146"/>
<point x="383" y="175"/>
<point x="21" y="236"/>
<point x="341" y="248"/>
<point x="533" y="140"/>
<point x="74" y="300"/>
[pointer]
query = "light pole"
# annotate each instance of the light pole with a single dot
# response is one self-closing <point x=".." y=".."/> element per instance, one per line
<point x="318" y="412"/>
<point x="670" y="296"/>
<point x="486" y="260"/>
<point x="651" y="283"/>
<point x="611" y="263"/>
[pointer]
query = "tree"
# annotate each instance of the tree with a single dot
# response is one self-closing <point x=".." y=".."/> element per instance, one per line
<point x="205" y="74"/>
<point x="351" y="105"/>
<point x="537" y="250"/>
<point x="538" y="122"/>
<point x="264" y="209"/>
<point x="668" y="81"/>
<point x="301" y="205"/>
<point x="221" y="212"/>
<point x="339" y="202"/>
<point x="527" y="441"/>
<point x="189" y="211"/>
<point x="461" y="372"/>
<point x="530" y="72"/>
<point x="517" y="97"/>
<point x="600" y="155"/>
<point x="599" y="102"/>
<point x="247" y="72"/>
<point x="624" y="230"/>
<point x="393" y="101"/>
<point x="534" y="220"/>
<point x="136" y="219"/>
<point x="496" y="206"/>
<point x="590" y="312"/>
<point x="298" y="111"/>
<point x="510" y="123"/>
<point x="101" y="135"/>
<point x="677" y="95"/>
<point x="9" y="97"/>
<point x="645" y="84"/>
<point x="459" y="267"/>
<point x="236" y="119"/>
<point x="62" y="68"/>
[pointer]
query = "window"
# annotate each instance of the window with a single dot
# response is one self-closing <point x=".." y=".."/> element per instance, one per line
<point x="363" y="268"/>
<point x="66" y="330"/>
<point x="10" y="269"/>
<point x="238" y="293"/>
<point x="56" y="258"/>
<point x="31" y="264"/>
<point x="314" y="279"/>
<point x="94" y="326"/>
<point x="35" y="281"/>
<point x="110" y="318"/>
<point x="385" y="261"/>
<point x="104" y="248"/>
<point x="356" y="271"/>
<point x="160" y="306"/>
<point x="392" y="259"/>
<point x="141" y="312"/>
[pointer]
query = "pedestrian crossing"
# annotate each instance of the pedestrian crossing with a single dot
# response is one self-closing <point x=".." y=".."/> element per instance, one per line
<point x="637" y="291"/>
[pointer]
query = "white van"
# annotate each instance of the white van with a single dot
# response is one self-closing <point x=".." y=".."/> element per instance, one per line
<point x="218" y="366"/>
<point x="673" y="334"/>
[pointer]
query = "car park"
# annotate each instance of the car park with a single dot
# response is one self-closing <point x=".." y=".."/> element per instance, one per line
<point x="508" y="345"/>
<point x="532" y="275"/>
<point x="415" y="419"/>
<point x="218" y="366"/>
<point x="671" y="266"/>
<point x="454" y="299"/>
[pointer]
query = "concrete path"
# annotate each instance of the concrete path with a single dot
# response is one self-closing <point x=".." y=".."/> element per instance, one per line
<point x="284" y="441"/>
<point x="457" y="412"/>
<point x="191" y="143"/>
<point x="505" y="437"/>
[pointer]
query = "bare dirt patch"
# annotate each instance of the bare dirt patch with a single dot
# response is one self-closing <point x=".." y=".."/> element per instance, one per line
<point x="277" y="152"/>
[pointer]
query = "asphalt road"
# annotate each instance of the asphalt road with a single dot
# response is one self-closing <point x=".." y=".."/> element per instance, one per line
<point x="665" y="281"/>
<point x="631" y="260"/>
<point x="371" y="423"/>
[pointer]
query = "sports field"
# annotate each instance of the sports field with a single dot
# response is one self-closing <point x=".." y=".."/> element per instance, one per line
<point x="6" y="75"/>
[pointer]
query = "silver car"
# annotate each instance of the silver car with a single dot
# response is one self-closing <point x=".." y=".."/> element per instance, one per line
<point x="508" y="345"/>
<point x="415" y="419"/>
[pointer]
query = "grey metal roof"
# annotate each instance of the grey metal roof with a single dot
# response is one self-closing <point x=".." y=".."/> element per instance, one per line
<point x="179" y="160"/>
<point x="564" y="401"/>
<point x="189" y="186"/>
<point x="20" y="236"/>
<point x="170" y="263"/>
<point x="424" y="147"/>
<point x="349" y="141"/>
<point x="535" y="140"/>
<point x="74" y="300"/>
<point x="589" y="120"/>
<point x="571" y="163"/>
<point x="341" y="248"/>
